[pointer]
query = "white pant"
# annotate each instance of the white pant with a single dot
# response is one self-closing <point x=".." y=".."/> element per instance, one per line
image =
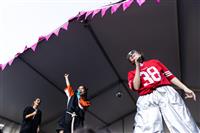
<point x="163" y="102"/>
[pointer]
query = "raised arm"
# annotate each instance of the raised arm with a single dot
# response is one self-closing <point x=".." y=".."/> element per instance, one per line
<point x="136" y="79"/>
<point x="67" y="79"/>
<point x="68" y="90"/>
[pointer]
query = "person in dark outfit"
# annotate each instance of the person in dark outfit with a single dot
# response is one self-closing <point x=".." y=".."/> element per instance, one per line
<point x="32" y="116"/>
<point x="73" y="117"/>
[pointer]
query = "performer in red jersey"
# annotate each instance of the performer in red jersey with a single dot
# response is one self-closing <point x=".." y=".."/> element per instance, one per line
<point x="152" y="80"/>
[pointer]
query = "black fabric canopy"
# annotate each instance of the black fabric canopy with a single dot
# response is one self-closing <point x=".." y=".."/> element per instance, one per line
<point x="94" y="52"/>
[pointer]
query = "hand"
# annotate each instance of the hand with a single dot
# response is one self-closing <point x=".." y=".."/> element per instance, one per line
<point x="137" y="58"/>
<point x="34" y="113"/>
<point x="190" y="94"/>
<point x="66" y="75"/>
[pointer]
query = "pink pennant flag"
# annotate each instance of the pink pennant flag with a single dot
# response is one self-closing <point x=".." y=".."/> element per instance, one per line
<point x="56" y="32"/>
<point x="48" y="36"/>
<point x="3" y="66"/>
<point x="95" y="12"/>
<point x="11" y="61"/>
<point x="65" y="26"/>
<point x="140" y="2"/>
<point x="158" y="1"/>
<point x="81" y="13"/>
<point x="34" y="47"/>
<point x="88" y="13"/>
<point x="41" y="38"/>
<point x="127" y="4"/>
<point x="103" y="11"/>
<point x="115" y="7"/>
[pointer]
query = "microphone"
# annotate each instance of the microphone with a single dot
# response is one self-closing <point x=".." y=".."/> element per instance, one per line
<point x="140" y="59"/>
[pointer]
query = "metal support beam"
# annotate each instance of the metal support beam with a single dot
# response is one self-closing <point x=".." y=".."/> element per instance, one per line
<point x="104" y="90"/>
<point x="57" y="88"/>
<point x="98" y="118"/>
<point x="7" y="119"/>
<point x="179" y="43"/>
<point x="42" y="75"/>
<point x="93" y="34"/>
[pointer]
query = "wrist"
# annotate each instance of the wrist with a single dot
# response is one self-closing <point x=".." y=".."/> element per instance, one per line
<point x="186" y="89"/>
<point x="137" y="64"/>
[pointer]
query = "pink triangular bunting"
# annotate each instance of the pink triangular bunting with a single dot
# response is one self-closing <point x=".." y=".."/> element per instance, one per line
<point x="115" y="7"/>
<point x="88" y="13"/>
<point x="81" y="13"/>
<point x="11" y="61"/>
<point x="56" y="32"/>
<point x="41" y="38"/>
<point x="65" y="26"/>
<point x="103" y="11"/>
<point x="95" y="12"/>
<point x="127" y="4"/>
<point x="48" y="36"/>
<point x="34" y="47"/>
<point x="158" y="1"/>
<point x="3" y="66"/>
<point x="140" y="2"/>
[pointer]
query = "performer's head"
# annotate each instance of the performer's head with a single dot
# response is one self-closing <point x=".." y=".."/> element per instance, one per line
<point x="82" y="90"/>
<point x="133" y="54"/>
<point x="36" y="102"/>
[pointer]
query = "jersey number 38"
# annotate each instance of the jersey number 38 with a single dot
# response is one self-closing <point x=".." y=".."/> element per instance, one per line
<point x="150" y="76"/>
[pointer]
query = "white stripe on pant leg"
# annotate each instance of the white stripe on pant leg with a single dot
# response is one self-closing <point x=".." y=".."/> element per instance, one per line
<point x="176" y="115"/>
<point x="73" y="115"/>
<point x="148" y="117"/>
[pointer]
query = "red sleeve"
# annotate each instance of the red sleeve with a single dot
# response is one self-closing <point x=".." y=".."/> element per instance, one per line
<point x="84" y="103"/>
<point x="131" y="76"/>
<point x="69" y="91"/>
<point x="165" y="71"/>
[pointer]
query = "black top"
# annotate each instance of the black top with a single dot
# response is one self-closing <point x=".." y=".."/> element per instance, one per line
<point x="30" y="125"/>
<point x="74" y="107"/>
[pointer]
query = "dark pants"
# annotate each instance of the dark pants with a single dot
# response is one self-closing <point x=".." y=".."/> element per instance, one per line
<point x="65" y="123"/>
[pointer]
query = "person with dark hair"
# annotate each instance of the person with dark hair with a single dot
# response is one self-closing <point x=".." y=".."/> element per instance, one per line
<point x="152" y="80"/>
<point x="32" y="117"/>
<point x="74" y="114"/>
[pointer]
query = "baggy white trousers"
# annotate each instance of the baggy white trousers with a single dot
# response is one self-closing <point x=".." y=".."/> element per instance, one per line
<point x="163" y="102"/>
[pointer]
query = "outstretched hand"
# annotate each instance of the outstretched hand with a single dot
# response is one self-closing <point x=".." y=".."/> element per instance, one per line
<point x="190" y="94"/>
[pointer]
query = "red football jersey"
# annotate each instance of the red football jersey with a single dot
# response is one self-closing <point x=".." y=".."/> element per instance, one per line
<point x="152" y="75"/>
